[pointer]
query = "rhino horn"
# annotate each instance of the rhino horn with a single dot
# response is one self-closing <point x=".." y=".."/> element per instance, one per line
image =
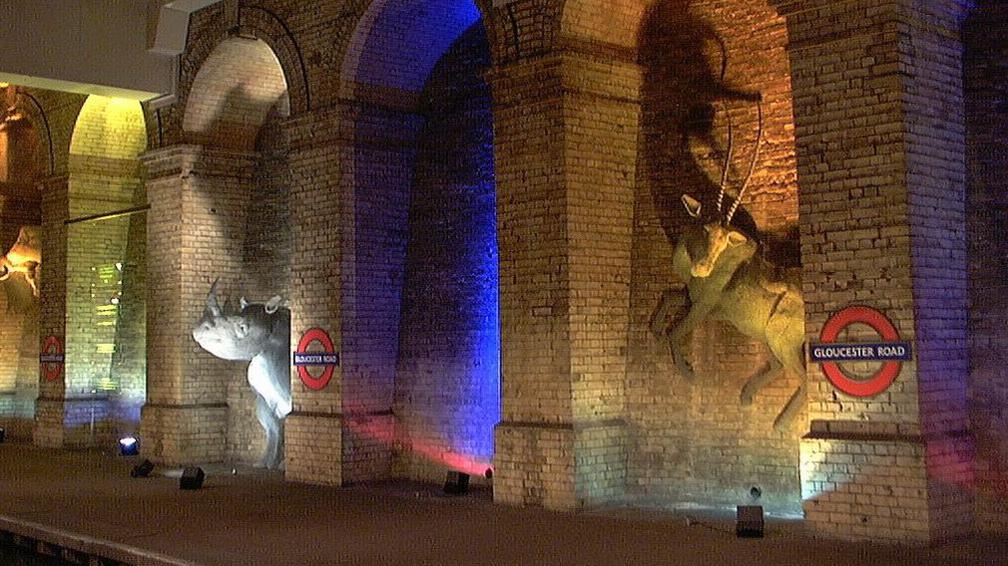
<point x="212" y="304"/>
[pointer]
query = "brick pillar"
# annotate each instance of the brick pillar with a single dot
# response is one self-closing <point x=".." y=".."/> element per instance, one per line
<point x="351" y="168"/>
<point x="54" y="401"/>
<point x="879" y="132"/>
<point x="566" y="140"/>
<point x="314" y="430"/>
<point x="195" y="230"/>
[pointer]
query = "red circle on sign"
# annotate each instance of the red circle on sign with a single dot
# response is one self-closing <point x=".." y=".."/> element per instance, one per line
<point x="310" y="381"/>
<point x="884" y="377"/>
<point x="52" y="345"/>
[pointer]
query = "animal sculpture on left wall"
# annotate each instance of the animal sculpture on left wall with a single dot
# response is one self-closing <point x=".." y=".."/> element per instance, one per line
<point x="24" y="257"/>
<point x="260" y="334"/>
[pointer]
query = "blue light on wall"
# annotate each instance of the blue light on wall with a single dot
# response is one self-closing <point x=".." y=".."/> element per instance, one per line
<point x="449" y="359"/>
<point x="418" y="33"/>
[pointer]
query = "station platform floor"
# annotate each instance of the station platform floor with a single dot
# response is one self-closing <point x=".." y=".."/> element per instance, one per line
<point x="87" y="500"/>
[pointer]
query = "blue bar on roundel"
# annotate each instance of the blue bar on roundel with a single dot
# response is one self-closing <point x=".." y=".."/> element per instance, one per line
<point x="316" y="359"/>
<point x="861" y="352"/>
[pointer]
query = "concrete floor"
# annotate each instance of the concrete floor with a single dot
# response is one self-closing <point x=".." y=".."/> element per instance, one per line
<point x="256" y="518"/>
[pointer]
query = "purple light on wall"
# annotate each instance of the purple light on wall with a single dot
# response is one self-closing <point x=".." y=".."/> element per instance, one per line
<point x="420" y="304"/>
<point x="449" y="360"/>
<point x="417" y="32"/>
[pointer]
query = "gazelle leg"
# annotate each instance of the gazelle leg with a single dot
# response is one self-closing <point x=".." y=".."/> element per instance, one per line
<point x="659" y="317"/>
<point x="794" y="405"/>
<point x="771" y="371"/>
<point x="681" y="332"/>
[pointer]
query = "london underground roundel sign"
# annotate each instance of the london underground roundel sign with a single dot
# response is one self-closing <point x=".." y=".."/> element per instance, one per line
<point x="51" y="358"/>
<point x="326" y="358"/>
<point x="890" y="351"/>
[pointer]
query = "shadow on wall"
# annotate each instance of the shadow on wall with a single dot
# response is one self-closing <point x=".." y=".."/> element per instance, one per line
<point x="710" y="439"/>
<point x="686" y="100"/>
<point x="682" y="97"/>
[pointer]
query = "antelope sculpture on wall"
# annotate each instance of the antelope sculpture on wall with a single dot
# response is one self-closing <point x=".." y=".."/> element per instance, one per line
<point x="727" y="279"/>
<point x="24" y="258"/>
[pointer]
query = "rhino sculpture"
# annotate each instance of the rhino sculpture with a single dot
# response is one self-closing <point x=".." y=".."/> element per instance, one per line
<point x="728" y="279"/>
<point x="260" y="334"/>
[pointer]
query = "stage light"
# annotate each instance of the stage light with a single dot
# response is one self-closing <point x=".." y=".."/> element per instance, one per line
<point x="456" y="483"/>
<point x="129" y="446"/>
<point x="749" y="521"/>
<point x="192" y="478"/>
<point x="142" y="470"/>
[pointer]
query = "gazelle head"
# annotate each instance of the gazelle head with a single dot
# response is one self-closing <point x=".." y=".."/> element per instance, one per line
<point x="720" y="237"/>
<point x="720" y="234"/>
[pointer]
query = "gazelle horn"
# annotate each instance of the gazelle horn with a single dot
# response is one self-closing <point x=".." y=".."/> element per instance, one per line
<point x="727" y="162"/>
<point x="752" y="163"/>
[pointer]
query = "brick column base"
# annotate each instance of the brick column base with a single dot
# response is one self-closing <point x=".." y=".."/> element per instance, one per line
<point x="601" y="458"/>
<point x="18" y="410"/>
<point x="534" y="465"/>
<point x="184" y="434"/>
<point x="368" y="442"/>
<point x="872" y="483"/>
<point x="48" y="431"/>
<point x="313" y="446"/>
<point x="560" y="466"/>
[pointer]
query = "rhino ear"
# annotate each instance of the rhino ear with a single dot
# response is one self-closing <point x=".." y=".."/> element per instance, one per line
<point x="243" y="303"/>
<point x="273" y="304"/>
<point x="692" y="206"/>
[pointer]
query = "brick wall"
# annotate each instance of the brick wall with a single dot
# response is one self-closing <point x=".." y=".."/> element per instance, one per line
<point x="694" y="440"/>
<point x="447" y="398"/>
<point x="232" y="183"/>
<point x="320" y="176"/>
<point x="604" y="113"/>
<point x="199" y="199"/>
<point x="985" y="36"/>
<point x="104" y="177"/>
<point x="870" y="132"/>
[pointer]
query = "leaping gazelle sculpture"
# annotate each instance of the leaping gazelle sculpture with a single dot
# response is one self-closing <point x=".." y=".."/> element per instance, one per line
<point x="727" y="279"/>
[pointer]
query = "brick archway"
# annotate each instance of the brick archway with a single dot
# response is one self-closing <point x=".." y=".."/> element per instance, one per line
<point x="985" y="75"/>
<point x="105" y="271"/>
<point x="237" y="87"/>
<point x="226" y="175"/>
<point x="408" y="69"/>
<point x="26" y="157"/>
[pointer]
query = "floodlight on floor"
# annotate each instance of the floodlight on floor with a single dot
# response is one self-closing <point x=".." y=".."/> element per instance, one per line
<point x="456" y="483"/>
<point x="749" y="521"/>
<point x="192" y="478"/>
<point x="142" y="470"/>
<point x="129" y="446"/>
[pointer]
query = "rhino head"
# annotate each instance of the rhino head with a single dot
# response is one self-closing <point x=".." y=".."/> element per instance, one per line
<point x="240" y="334"/>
